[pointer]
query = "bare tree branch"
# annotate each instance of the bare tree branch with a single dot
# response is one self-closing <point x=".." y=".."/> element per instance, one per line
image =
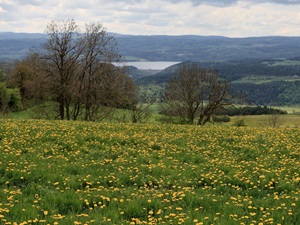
<point x="194" y="92"/>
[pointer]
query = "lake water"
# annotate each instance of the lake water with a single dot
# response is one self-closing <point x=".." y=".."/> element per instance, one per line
<point x="159" y="65"/>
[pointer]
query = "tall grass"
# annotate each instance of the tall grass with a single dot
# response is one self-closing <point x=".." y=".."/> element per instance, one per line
<point x="58" y="172"/>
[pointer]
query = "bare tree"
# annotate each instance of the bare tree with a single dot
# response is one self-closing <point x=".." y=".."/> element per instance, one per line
<point x="140" y="113"/>
<point x="98" y="53"/>
<point x="77" y="71"/>
<point x="195" y="93"/>
<point x="183" y="92"/>
<point x="215" y="95"/>
<point x="61" y="52"/>
<point x="112" y="89"/>
<point x="275" y="120"/>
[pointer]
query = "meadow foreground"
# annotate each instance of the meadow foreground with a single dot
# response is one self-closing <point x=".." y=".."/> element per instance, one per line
<point x="58" y="172"/>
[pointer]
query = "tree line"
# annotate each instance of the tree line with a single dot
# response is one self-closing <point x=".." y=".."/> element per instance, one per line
<point x="248" y="110"/>
<point x="73" y="72"/>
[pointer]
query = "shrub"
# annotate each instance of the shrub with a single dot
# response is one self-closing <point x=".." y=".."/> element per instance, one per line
<point x="275" y="120"/>
<point x="4" y="98"/>
<point x="14" y="99"/>
<point x="250" y="110"/>
<point x="220" y="119"/>
<point x="239" y="122"/>
<point x="10" y="99"/>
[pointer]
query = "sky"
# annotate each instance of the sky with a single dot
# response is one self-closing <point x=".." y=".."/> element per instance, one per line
<point x="231" y="18"/>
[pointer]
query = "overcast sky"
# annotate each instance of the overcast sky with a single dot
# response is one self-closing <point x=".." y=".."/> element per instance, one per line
<point x="232" y="18"/>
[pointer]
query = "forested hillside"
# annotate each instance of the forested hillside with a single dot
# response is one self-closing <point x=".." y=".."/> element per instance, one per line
<point x="172" y="48"/>
<point x="261" y="82"/>
<point x="203" y="48"/>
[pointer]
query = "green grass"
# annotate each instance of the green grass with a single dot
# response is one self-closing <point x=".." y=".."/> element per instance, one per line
<point x="292" y="119"/>
<point x="257" y="121"/>
<point x="265" y="79"/>
<point x="290" y="109"/>
<point x="59" y="172"/>
<point x="286" y="63"/>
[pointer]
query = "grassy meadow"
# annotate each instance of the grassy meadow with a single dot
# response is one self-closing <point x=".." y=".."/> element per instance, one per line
<point x="264" y="121"/>
<point x="62" y="173"/>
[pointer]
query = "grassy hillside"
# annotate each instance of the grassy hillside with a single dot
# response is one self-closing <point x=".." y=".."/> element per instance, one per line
<point x="58" y="172"/>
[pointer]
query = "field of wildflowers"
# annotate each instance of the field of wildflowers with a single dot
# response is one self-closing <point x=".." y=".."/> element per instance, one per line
<point x="58" y="172"/>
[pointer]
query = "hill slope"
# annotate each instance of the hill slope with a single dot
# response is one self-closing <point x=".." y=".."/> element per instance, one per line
<point x="261" y="82"/>
<point x="62" y="172"/>
<point x="172" y="48"/>
<point x="202" y="48"/>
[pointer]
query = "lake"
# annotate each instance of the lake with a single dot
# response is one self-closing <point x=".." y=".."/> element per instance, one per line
<point x="159" y="65"/>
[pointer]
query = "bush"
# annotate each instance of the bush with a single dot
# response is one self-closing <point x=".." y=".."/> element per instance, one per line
<point x="14" y="99"/>
<point x="166" y="119"/>
<point x="250" y="110"/>
<point x="45" y="110"/>
<point x="10" y="99"/>
<point x="275" y="120"/>
<point x="220" y="119"/>
<point x="239" y="122"/>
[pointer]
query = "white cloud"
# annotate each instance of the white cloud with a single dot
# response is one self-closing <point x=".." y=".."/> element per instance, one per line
<point x="173" y="17"/>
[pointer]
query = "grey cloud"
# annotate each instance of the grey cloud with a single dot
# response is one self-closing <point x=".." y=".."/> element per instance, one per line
<point x="220" y="3"/>
<point x="30" y="2"/>
<point x="283" y="2"/>
<point x="231" y="2"/>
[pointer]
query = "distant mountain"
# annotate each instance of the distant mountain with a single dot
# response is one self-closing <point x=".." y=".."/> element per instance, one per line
<point x="171" y="48"/>
<point x="15" y="45"/>
<point x="207" y="48"/>
<point x="12" y="35"/>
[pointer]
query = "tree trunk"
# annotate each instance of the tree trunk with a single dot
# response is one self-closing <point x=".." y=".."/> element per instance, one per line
<point x="61" y="108"/>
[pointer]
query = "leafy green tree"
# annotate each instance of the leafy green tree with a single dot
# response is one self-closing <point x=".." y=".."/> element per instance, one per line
<point x="2" y="76"/>
<point x="4" y="97"/>
<point x="291" y="93"/>
<point x="10" y="99"/>
<point x="29" y="76"/>
<point x="14" y="99"/>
